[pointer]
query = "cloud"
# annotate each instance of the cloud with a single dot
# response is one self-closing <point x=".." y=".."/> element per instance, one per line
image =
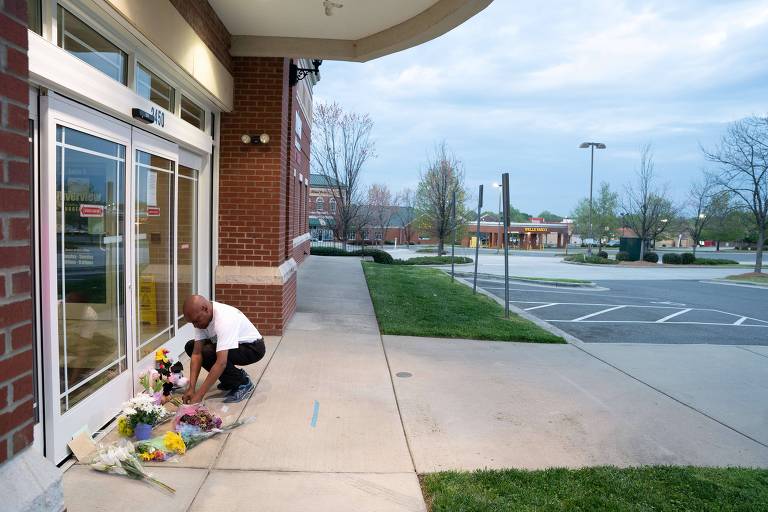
<point x="520" y="85"/>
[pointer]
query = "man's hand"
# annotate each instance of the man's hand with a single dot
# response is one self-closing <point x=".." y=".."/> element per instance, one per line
<point x="188" y="395"/>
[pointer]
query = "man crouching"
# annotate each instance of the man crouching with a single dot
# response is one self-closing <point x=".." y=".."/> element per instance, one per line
<point x="224" y="337"/>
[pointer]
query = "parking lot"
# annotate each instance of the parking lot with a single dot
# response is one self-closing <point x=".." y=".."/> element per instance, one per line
<point x="668" y="312"/>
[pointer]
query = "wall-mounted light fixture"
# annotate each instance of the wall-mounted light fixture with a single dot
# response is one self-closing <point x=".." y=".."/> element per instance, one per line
<point x="295" y="73"/>
<point x="255" y="139"/>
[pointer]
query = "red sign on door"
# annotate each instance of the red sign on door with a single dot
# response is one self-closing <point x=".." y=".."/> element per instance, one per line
<point x="153" y="211"/>
<point x="91" y="210"/>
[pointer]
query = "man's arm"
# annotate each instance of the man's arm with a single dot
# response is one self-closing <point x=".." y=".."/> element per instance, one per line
<point x="216" y="370"/>
<point x="194" y="370"/>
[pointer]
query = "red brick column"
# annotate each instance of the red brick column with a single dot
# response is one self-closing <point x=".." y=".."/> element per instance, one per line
<point x="16" y="417"/>
<point x="255" y="273"/>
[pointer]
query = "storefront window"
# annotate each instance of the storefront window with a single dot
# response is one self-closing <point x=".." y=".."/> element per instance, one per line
<point x="90" y="210"/>
<point x="154" y="251"/>
<point x="191" y="113"/>
<point x="154" y="88"/>
<point x="34" y="17"/>
<point x="186" y="241"/>
<point x="89" y="46"/>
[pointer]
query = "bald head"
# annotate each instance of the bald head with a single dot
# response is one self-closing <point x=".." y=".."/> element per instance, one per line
<point x="198" y="310"/>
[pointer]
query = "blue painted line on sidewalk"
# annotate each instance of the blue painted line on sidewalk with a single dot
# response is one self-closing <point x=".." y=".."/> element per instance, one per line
<point x="315" y="412"/>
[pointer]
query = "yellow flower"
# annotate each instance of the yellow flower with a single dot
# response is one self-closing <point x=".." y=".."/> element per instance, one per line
<point x="146" y="456"/>
<point x="174" y="443"/>
<point x="124" y="427"/>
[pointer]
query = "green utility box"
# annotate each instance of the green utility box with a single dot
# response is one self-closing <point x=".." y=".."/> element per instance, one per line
<point x="630" y="246"/>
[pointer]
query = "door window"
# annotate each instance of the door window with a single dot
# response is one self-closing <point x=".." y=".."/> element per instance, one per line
<point x="186" y="239"/>
<point x="90" y="209"/>
<point x="154" y="251"/>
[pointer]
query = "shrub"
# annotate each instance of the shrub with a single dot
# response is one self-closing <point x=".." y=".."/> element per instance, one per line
<point x="380" y="256"/>
<point x="687" y="258"/>
<point x="329" y="251"/>
<point x="598" y="260"/>
<point x="651" y="257"/>
<point x="671" y="258"/>
<point x="622" y="256"/>
<point x="434" y="260"/>
<point x="602" y="254"/>
<point x="714" y="261"/>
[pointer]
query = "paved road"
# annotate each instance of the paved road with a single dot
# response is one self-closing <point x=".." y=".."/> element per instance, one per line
<point x="741" y="257"/>
<point x="668" y="312"/>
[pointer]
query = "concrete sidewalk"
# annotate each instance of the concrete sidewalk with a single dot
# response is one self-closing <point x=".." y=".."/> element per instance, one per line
<point x="327" y="435"/>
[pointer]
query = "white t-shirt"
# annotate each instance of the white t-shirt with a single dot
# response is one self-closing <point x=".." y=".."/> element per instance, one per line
<point x="229" y="328"/>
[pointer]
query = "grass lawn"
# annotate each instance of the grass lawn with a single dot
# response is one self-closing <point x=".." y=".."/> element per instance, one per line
<point x="605" y="489"/>
<point x="412" y="301"/>
<point x="750" y="277"/>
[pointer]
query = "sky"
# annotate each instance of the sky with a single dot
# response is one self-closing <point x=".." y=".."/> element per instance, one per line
<point x="519" y="86"/>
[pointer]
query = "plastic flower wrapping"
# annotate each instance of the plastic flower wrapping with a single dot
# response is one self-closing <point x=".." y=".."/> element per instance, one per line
<point x="196" y="418"/>
<point x="121" y="459"/>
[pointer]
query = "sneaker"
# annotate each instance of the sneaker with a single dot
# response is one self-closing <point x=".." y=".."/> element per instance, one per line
<point x="240" y="393"/>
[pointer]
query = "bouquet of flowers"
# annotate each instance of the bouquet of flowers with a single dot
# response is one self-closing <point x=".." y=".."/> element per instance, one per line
<point x="141" y="409"/>
<point x="196" y="417"/>
<point x="166" y="376"/>
<point x="120" y="459"/>
<point x="195" y="423"/>
<point x="161" y="448"/>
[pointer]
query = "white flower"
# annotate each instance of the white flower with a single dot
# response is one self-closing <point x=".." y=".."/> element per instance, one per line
<point x="129" y="411"/>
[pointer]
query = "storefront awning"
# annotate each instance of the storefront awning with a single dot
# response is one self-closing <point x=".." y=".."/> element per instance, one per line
<point x="339" y="30"/>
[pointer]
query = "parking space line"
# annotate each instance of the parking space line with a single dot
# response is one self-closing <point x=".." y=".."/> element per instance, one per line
<point x="673" y="315"/>
<point x="597" y="313"/>
<point x="650" y="322"/>
<point x="740" y="320"/>
<point x="541" y="306"/>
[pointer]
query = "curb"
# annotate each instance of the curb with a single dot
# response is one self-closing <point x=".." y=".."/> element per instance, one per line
<point x="729" y="282"/>
<point x="557" y="284"/>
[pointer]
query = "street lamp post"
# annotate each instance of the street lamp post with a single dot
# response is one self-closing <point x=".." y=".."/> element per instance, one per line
<point x="592" y="146"/>
<point x="498" y="241"/>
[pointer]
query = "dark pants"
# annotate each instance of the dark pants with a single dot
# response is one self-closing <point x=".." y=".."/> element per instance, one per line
<point x="244" y="354"/>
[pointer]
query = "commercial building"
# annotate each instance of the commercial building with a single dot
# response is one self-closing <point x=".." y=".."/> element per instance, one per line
<point x="536" y="234"/>
<point x="134" y="172"/>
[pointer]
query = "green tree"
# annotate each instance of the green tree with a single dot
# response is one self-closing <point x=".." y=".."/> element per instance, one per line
<point x="443" y="177"/>
<point x="605" y="220"/>
<point x="550" y="217"/>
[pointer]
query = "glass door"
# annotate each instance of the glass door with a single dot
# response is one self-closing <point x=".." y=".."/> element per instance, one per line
<point x="83" y="242"/>
<point x="155" y="162"/>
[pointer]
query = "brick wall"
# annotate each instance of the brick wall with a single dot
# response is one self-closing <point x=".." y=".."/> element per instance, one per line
<point x="206" y="23"/>
<point x="253" y="192"/>
<point x="16" y="384"/>
<point x="252" y="177"/>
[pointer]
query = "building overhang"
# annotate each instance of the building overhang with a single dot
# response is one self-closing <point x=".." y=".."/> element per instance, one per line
<point x="358" y="31"/>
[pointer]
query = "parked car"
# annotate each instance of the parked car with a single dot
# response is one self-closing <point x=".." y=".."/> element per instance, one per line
<point x="613" y="243"/>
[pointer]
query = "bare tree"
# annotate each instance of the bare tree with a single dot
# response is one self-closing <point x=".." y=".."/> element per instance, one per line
<point x="341" y="145"/>
<point x="701" y="198"/>
<point x="442" y="178"/>
<point x="407" y="213"/>
<point x="382" y="208"/>
<point x="647" y="209"/>
<point x="742" y="156"/>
